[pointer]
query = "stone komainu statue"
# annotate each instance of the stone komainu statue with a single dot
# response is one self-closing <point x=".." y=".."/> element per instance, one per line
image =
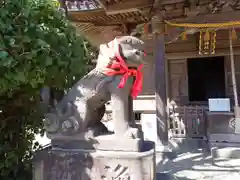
<point x="117" y="74"/>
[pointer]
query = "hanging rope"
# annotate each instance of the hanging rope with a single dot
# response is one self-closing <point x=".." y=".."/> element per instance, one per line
<point x="206" y="25"/>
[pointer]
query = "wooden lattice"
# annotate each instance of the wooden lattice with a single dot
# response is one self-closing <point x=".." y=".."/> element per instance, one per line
<point x="187" y="121"/>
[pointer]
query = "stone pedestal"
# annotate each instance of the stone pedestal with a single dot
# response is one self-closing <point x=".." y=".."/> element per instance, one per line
<point x="149" y="128"/>
<point x="95" y="164"/>
<point x="104" y="142"/>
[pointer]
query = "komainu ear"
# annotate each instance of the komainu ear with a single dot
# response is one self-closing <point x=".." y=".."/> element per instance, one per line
<point x="136" y="34"/>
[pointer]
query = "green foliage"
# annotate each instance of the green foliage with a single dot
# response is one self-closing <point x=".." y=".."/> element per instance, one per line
<point x="38" y="47"/>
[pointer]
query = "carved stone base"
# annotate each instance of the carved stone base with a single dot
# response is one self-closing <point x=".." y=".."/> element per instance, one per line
<point x="131" y="140"/>
<point x="105" y="142"/>
<point x="95" y="165"/>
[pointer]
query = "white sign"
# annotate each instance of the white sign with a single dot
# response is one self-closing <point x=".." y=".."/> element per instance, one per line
<point x="219" y="105"/>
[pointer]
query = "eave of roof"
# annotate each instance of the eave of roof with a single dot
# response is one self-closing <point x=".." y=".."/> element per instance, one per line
<point x="94" y="23"/>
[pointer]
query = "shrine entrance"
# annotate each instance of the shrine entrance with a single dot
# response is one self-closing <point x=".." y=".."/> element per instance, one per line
<point x="206" y="78"/>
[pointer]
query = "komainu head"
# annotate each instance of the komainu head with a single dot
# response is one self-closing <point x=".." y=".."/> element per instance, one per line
<point x="130" y="48"/>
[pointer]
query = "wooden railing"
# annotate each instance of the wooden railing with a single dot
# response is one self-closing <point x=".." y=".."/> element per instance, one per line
<point x="81" y="5"/>
<point x="188" y="121"/>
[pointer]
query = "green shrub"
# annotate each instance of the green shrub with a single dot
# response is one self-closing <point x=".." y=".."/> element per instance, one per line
<point x="38" y="47"/>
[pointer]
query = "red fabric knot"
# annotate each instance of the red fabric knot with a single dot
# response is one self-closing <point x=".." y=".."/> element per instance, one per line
<point x="137" y="85"/>
<point x="119" y="67"/>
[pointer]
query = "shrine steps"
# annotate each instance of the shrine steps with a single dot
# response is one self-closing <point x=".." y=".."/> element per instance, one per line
<point x="225" y="150"/>
<point x="225" y="146"/>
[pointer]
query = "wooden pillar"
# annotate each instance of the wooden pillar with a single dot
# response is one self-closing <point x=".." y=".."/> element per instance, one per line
<point x="236" y="103"/>
<point x="131" y="112"/>
<point x="126" y="30"/>
<point x="160" y="83"/>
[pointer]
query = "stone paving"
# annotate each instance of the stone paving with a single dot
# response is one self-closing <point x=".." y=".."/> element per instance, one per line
<point x="197" y="166"/>
<point x="194" y="163"/>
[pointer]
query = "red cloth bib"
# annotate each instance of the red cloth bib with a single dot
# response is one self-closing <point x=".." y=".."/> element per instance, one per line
<point x="122" y="69"/>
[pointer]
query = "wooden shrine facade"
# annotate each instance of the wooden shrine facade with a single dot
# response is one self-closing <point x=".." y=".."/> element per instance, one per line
<point x="179" y="36"/>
